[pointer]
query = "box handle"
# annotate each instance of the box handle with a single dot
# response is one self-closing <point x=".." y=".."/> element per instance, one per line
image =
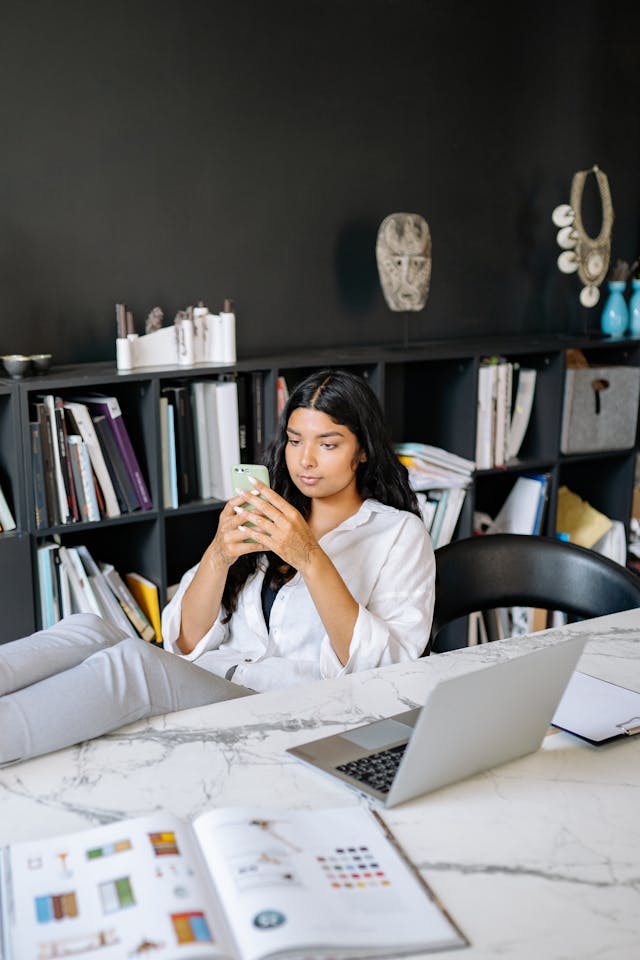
<point x="598" y="386"/>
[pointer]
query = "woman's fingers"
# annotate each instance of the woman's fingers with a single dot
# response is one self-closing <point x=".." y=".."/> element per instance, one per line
<point x="265" y="497"/>
<point x="254" y="518"/>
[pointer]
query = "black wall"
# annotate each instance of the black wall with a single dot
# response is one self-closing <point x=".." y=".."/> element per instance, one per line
<point x="161" y="152"/>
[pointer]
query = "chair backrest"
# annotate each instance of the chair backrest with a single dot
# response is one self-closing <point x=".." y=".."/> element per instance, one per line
<point x="506" y="569"/>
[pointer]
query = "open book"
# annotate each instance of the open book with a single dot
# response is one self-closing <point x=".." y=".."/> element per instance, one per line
<point x="241" y="883"/>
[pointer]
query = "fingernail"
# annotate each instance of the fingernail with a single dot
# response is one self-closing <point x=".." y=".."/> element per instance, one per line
<point x="238" y="509"/>
<point x="252" y="479"/>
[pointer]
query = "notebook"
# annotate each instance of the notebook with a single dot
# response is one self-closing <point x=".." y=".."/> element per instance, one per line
<point x="468" y="723"/>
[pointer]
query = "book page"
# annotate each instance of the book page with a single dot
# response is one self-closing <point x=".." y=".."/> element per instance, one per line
<point x="133" y="888"/>
<point x="321" y="881"/>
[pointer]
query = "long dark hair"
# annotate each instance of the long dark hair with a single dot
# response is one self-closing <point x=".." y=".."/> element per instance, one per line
<point x="349" y="401"/>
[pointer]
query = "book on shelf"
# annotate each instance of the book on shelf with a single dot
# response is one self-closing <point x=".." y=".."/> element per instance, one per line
<point x="173" y="463"/>
<point x="146" y="595"/>
<point x="58" y="447"/>
<point x="83" y="597"/>
<point x="613" y="543"/>
<point x="521" y="409"/>
<point x="7" y="521"/>
<point x="65" y="456"/>
<point x="441" y="497"/>
<point x="254" y="884"/>
<point x="127" y="601"/>
<point x="523" y="508"/>
<point x="110" y="608"/>
<point x="576" y="517"/>
<point x="120" y="478"/>
<point x="203" y="400"/>
<point x="217" y="435"/>
<point x="227" y="433"/>
<point x="50" y="611"/>
<point x="74" y="460"/>
<point x="504" y="376"/>
<point x="453" y="509"/>
<point x="282" y="394"/>
<point x="48" y="465"/>
<point x="164" y="453"/>
<point x="427" y="507"/>
<point x="485" y="415"/>
<point x="62" y="586"/>
<point x="83" y="478"/>
<point x="476" y="629"/>
<point x="40" y="509"/>
<point x="494" y="624"/>
<point x="251" y="426"/>
<point x="258" y="416"/>
<point x="109" y="407"/>
<point x="187" y="480"/>
<point x="86" y="428"/>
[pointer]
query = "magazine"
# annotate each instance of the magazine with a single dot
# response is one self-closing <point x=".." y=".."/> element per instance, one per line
<point x="241" y="883"/>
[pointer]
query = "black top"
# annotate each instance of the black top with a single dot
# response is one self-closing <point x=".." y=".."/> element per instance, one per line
<point x="267" y="596"/>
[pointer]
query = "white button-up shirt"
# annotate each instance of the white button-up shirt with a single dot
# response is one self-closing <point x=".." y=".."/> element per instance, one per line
<point x="386" y="560"/>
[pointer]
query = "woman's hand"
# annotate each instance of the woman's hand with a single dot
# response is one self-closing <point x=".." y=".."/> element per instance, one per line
<point x="278" y="526"/>
<point x="203" y="597"/>
<point x="231" y="541"/>
<point x="281" y="528"/>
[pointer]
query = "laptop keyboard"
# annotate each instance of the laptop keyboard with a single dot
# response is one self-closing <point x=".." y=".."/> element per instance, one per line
<point x="377" y="770"/>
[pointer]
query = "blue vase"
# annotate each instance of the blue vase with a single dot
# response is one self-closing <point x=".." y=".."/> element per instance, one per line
<point x="634" y="309"/>
<point x="615" y="314"/>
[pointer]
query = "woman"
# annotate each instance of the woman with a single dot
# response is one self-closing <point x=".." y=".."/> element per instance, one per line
<point x="336" y="576"/>
<point x="347" y="582"/>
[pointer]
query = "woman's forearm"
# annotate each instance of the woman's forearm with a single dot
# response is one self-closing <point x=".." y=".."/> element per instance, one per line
<point x="202" y="599"/>
<point x="333" y="601"/>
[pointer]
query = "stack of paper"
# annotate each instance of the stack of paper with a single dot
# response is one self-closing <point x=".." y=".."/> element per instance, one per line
<point x="442" y="479"/>
<point x="434" y="467"/>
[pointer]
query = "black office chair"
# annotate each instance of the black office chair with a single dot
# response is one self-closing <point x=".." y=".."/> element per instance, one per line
<point x="506" y="569"/>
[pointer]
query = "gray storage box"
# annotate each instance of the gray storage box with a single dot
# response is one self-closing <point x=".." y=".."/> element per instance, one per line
<point x="600" y="409"/>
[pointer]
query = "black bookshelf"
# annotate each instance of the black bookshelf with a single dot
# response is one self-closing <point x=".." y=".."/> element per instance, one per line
<point x="428" y="392"/>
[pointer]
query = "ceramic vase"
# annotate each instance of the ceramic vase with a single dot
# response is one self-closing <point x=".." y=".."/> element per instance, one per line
<point x="615" y="313"/>
<point x="634" y="308"/>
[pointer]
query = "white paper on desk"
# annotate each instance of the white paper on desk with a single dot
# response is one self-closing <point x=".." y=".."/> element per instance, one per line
<point x="596" y="709"/>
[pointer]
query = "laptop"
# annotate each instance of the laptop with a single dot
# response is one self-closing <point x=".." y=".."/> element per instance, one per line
<point x="469" y="723"/>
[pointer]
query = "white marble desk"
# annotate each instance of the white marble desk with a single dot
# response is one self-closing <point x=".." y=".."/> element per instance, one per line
<point x="537" y="859"/>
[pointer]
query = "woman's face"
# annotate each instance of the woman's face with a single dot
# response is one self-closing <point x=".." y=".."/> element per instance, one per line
<point x="322" y="456"/>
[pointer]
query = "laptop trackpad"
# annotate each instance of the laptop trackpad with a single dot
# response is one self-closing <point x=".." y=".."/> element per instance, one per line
<point x="379" y="734"/>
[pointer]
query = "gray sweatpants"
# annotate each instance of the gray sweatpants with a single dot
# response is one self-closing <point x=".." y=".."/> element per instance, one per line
<point x="82" y="678"/>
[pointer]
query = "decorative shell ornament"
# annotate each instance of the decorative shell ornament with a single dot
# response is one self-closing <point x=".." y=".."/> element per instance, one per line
<point x="587" y="256"/>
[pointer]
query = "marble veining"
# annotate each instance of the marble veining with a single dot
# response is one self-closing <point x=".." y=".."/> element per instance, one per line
<point x="539" y="858"/>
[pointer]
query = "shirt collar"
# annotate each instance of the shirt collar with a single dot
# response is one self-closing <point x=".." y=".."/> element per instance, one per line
<point x="360" y="517"/>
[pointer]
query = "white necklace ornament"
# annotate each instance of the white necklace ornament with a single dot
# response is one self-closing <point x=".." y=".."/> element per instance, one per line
<point x="587" y="256"/>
